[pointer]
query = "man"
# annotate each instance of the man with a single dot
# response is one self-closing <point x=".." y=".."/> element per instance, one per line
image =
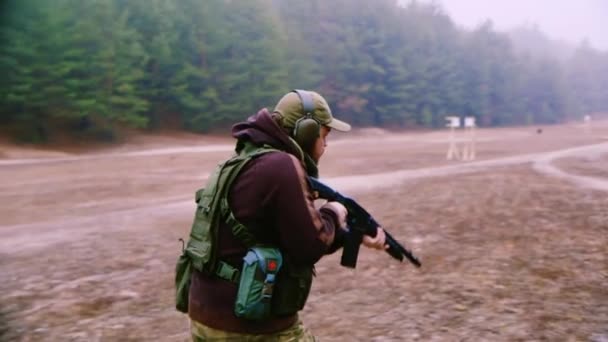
<point x="271" y="201"/>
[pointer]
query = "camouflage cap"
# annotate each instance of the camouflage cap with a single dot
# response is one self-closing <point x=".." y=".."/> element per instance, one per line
<point x="291" y="109"/>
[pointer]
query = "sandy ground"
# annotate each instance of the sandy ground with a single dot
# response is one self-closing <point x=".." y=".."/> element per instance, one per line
<point x="513" y="245"/>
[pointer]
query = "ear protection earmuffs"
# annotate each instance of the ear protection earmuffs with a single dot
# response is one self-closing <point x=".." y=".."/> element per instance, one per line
<point x="307" y="128"/>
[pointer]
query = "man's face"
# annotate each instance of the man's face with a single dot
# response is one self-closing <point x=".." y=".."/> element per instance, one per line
<point x="319" y="147"/>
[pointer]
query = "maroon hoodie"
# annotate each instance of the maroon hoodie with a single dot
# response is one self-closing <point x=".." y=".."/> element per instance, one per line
<point x="272" y="198"/>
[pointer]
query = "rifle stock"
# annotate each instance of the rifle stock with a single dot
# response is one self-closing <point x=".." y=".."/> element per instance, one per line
<point x="359" y="223"/>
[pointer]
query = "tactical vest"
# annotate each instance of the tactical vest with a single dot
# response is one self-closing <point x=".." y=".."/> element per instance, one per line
<point x="292" y="284"/>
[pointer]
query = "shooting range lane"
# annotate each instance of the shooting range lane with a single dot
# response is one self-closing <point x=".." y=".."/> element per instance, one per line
<point x="124" y="213"/>
<point x="18" y="237"/>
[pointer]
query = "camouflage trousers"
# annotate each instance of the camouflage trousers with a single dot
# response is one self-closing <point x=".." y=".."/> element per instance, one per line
<point x="296" y="333"/>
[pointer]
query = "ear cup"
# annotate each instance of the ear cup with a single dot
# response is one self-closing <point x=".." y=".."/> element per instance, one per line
<point x="306" y="132"/>
<point x="306" y="129"/>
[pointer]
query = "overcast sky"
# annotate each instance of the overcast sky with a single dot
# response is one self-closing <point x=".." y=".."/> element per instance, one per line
<point x="569" y="20"/>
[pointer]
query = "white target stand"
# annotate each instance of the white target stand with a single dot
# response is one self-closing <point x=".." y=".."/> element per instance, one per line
<point x="587" y="120"/>
<point x="453" y="123"/>
<point x="468" y="151"/>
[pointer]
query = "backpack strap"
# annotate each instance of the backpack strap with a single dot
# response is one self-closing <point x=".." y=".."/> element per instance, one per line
<point x="241" y="232"/>
<point x="246" y="152"/>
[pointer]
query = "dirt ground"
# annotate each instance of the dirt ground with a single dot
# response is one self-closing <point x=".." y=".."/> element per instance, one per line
<point x="88" y="241"/>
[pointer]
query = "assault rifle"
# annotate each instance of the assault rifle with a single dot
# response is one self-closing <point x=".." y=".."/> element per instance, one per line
<point x="359" y="223"/>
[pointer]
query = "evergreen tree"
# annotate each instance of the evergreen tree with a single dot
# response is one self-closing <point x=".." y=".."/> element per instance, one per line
<point x="92" y="66"/>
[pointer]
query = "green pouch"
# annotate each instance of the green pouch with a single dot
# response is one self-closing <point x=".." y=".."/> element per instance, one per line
<point x="196" y="252"/>
<point x="199" y="244"/>
<point x="258" y="276"/>
<point x="183" y="274"/>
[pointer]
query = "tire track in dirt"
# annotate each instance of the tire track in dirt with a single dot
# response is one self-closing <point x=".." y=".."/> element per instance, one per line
<point x="541" y="162"/>
<point x="146" y="153"/>
<point x="544" y="165"/>
<point x="22" y="237"/>
<point x="40" y="234"/>
<point x="435" y="137"/>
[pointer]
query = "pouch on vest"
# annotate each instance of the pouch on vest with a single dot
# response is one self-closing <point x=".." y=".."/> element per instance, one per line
<point x="292" y="289"/>
<point x="197" y="251"/>
<point x="256" y="286"/>
<point x="183" y="274"/>
<point x="201" y="239"/>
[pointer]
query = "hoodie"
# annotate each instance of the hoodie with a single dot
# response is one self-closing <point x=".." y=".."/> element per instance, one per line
<point x="272" y="198"/>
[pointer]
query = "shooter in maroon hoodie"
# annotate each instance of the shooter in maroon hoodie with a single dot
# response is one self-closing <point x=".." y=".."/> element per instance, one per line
<point x="271" y="197"/>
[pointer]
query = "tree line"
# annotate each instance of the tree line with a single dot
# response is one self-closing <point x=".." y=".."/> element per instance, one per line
<point x="90" y="68"/>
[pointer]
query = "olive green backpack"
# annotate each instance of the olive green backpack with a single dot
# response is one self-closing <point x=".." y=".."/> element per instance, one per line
<point x="212" y="206"/>
<point x="290" y="284"/>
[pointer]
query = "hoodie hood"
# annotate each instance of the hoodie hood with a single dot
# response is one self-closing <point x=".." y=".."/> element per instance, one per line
<point x="260" y="129"/>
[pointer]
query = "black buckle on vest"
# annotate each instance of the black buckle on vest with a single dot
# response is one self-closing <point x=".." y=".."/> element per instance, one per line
<point x="227" y="272"/>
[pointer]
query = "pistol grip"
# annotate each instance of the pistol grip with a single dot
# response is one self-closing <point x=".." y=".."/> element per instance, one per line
<point x="350" y="252"/>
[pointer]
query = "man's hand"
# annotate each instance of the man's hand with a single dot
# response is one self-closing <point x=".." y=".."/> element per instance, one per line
<point x="378" y="242"/>
<point x="339" y="210"/>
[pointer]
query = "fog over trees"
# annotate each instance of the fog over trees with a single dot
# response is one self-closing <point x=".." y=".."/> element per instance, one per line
<point x="91" y="67"/>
